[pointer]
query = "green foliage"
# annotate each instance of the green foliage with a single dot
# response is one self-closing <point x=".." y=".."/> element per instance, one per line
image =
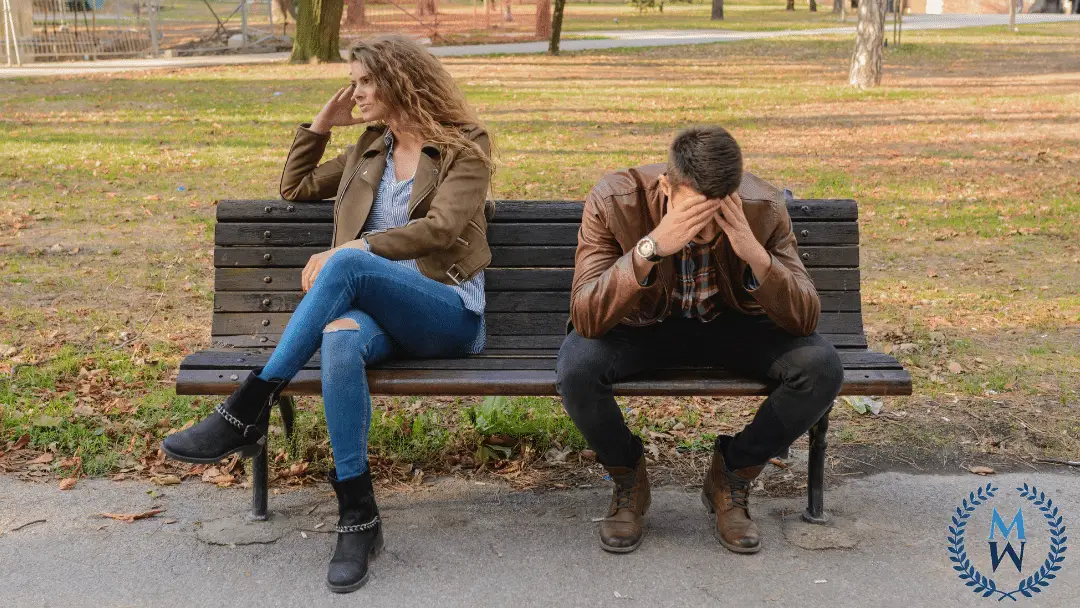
<point x="539" y="420"/>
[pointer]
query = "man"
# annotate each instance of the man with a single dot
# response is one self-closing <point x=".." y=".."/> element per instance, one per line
<point x="692" y="261"/>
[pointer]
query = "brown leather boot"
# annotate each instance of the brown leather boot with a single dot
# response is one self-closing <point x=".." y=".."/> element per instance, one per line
<point x="725" y="493"/>
<point x="624" y="527"/>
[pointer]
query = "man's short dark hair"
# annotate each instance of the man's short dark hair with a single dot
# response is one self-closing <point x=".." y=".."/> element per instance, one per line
<point x="707" y="159"/>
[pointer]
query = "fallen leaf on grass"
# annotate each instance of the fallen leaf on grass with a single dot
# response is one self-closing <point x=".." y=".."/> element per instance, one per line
<point x="132" y="517"/>
<point x="981" y="470"/>
<point x="165" y="480"/>
<point x="45" y="458"/>
<point x="67" y="484"/>
<point x="21" y="442"/>
<point x="954" y="367"/>
<point x="863" y="405"/>
<point x="779" y="463"/>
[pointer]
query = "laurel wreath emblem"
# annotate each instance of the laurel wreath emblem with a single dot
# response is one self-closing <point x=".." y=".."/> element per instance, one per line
<point x="980" y="583"/>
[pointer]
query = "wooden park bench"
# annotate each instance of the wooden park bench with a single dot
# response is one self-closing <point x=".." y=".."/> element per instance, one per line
<point x="261" y="247"/>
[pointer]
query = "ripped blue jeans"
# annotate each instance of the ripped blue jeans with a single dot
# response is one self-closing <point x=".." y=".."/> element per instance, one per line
<point x="362" y="310"/>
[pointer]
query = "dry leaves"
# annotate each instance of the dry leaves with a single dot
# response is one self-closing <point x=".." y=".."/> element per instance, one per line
<point x="981" y="470"/>
<point x="132" y="517"/>
<point x="45" y="458"/>
<point x="165" y="480"/>
<point x="67" y="484"/>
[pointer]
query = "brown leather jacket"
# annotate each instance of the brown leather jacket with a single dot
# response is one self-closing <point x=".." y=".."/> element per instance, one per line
<point x="627" y="205"/>
<point x="447" y="229"/>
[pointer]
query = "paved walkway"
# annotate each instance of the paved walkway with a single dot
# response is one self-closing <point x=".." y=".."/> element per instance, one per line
<point x="612" y="39"/>
<point x="462" y="544"/>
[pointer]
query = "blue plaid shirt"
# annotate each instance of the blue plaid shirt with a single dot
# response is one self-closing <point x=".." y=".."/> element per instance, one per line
<point x="391" y="210"/>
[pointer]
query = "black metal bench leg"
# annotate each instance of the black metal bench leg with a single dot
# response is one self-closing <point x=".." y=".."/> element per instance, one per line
<point x="260" y="473"/>
<point x="815" y="486"/>
<point x="260" y="465"/>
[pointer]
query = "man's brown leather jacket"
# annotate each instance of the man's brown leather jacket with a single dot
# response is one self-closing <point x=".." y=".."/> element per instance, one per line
<point x="628" y="205"/>
<point x="447" y="229"/>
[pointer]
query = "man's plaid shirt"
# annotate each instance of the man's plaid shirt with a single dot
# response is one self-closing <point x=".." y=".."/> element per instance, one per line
<point x="695" y="283"/>
<point x="696" y="287"/>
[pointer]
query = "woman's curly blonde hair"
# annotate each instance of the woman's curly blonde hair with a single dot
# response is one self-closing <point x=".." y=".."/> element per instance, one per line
<point x="415" y="84"/>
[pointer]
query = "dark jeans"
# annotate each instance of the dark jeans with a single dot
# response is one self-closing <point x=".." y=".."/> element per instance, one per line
<point x="807" y="369"/>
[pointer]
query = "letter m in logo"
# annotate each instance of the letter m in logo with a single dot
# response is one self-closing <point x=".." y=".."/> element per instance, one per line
<point x="998" y="525"/>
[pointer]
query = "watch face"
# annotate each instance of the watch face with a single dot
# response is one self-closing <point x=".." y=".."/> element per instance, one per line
<point x="646" y="248"/>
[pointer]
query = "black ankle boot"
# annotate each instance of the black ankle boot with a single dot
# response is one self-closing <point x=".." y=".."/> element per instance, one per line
<point x="359" y="533"/>
<point x="239" y="425"/>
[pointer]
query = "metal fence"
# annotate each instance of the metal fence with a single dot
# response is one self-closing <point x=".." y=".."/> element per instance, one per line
<point x="66" y="30"/>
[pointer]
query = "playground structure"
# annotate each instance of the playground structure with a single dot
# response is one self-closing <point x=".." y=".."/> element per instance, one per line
<point x="71" y="30"/>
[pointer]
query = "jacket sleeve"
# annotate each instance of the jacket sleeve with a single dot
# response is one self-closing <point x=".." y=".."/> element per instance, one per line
<point x="786" y="292"/>
<point x="303" y="178"/>
<point x="605" y="287"/>
<point x="459" y="198"/>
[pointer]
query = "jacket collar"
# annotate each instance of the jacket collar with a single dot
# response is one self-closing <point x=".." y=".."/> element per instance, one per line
<point x="427" y="168"/>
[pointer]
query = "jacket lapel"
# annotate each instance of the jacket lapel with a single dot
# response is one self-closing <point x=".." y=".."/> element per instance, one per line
<point x="426" y="177"/>
<point x="358" y="191"/>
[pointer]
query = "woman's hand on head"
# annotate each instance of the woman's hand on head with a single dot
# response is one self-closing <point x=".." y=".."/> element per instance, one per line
<point x="338" y="112"/>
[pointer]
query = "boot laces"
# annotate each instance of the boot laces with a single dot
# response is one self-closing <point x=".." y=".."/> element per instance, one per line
<point x="623" y="495"/>
<point x="739" y="490"/>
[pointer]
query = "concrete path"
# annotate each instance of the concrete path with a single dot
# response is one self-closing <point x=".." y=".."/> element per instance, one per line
<point x="461" y="544"/>
<point x="612" y="39"/>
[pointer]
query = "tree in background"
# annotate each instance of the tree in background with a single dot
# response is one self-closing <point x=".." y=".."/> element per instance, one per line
<point x="426" y="7"/>
<point x="356" y="16"/>
<point x="790" y="5"/>
<point x="317" y="25"/>
<point x="508" y="15"/>
<point x="556" y="27"/>
<point x="717" y="10"/>
<point x="869" y="38"/>
<point x="543" y="19"/>
<point x="813" y="6"/>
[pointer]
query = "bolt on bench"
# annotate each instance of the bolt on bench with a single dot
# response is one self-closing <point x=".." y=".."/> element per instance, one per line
<point x="261" y="246"/>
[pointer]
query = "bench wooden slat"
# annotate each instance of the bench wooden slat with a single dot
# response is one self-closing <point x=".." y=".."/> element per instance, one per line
<point x="508" y="359"/>
<point x="498" y="323"/>
<point x="503" y="256"/>
<point x="840" y="341"/>
<point x="495" y="279"/>
<point x="506" y="210"/>
<point x="542" y="383"/>
<point x="523" y="233"/>
<point x="497" y="301"/>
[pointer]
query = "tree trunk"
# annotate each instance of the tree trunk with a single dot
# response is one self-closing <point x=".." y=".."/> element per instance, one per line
<point x="284" y="10"/>
<point x="425" y="8"/>
<point x="790" y="5"/>
<point x="356" y="16"/>
<point x="543" y="19"/>
<point x="317" y="25"/>
<point x="1012" y="14"/>
<point x="717" y="10"/>
<point x="556" y="27"/>
<point x="1047" y="6"/>
<point x="813" y="6"/>
<point x="854" y="4"/>
<point x="837" y="6"/>
<point x="869" y="35"/>
<point x="508" y="15"/>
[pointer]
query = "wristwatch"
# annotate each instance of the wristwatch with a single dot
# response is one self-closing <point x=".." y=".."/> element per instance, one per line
<point x="646" y="248"/>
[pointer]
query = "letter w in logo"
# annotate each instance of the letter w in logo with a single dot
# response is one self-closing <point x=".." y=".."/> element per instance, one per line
<point x="998" y="524"/>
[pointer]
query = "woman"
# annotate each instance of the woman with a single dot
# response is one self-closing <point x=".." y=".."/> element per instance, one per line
<point x="404" y="276"/>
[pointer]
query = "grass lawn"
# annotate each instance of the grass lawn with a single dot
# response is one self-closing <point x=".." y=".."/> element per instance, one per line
<point x="966" y="165"/>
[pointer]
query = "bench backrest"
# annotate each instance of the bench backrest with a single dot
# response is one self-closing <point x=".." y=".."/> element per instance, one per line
<point x="261" y="246"/>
